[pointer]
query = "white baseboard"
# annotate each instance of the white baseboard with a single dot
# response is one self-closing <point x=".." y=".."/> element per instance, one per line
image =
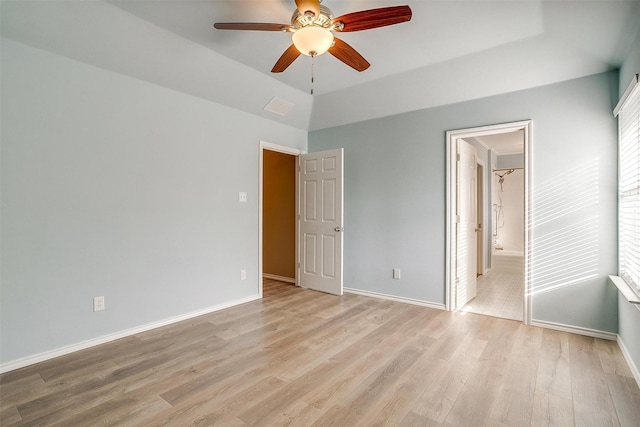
<point x="279" y="278"/>
<point x="627" y="357"/>
<point x="41" y="357"/>
<point x="575" y="330"/>
<point x="395" y="298"/>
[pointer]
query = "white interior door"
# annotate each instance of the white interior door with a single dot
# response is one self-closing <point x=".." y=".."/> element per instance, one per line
<point x="321" y="221"/>
<point x="466" y="233"/>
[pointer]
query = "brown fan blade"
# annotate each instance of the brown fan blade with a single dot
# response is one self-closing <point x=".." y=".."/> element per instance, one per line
<point x="286" y="59"/>
<point x="345" y="53"/>
<point x="253" y="26"/>
<point x="308" y="6"/>
<point x="374" y="18"/>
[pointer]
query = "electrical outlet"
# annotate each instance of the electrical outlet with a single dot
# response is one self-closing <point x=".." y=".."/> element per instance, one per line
<point x="243" y="274"/>
<point x="396" y="273"/>
<point x="242" y="197"/>
<point x="98" y="303"/>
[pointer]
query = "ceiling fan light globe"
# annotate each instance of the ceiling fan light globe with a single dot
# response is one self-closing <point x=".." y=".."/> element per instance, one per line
<point x="312" y="40"/>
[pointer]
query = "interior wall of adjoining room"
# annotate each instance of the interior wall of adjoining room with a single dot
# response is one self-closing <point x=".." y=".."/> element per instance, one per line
<point x="279" y="214"/>
<point x="506" y="161"/>
<point x="508" y="210"/>
<point x="120" y="188"/>
<point x="395" y="195"/>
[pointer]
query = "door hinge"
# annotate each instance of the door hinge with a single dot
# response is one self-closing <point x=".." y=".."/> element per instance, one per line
<point x="458" y="157"/>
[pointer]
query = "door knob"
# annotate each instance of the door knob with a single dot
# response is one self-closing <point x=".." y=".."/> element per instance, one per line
<point x="338" y="229"/>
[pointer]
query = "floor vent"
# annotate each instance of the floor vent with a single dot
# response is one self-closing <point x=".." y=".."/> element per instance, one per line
<point x="279" y="106"/>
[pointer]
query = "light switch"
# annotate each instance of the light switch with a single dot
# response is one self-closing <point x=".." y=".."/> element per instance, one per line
<point x="242" y="197"/>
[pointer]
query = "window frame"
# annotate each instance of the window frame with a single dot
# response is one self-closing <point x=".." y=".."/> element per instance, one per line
<point x="628" y="113"/>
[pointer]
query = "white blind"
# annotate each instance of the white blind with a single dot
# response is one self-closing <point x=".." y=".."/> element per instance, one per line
<point x="629" y="189"/>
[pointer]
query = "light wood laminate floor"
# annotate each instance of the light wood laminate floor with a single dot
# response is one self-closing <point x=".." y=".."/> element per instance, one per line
<point x="302" y="358"/>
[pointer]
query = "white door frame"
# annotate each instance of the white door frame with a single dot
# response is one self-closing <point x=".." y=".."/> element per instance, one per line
<point x="451" y="143"/>
<point x="286" y="150"/>
<point x="480" y="219"/>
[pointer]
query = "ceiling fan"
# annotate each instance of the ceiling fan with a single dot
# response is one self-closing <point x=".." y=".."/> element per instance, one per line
<point x="312" y="27"/>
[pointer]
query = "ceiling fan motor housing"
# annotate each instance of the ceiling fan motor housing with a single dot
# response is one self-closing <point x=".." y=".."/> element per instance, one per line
<point x="299" y="20"/>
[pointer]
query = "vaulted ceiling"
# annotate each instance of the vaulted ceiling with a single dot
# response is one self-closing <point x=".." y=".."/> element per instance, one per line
<point x="451" y="51"/>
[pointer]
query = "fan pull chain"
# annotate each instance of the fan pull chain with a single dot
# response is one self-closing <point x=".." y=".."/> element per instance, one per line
<point x="312" y="57"/>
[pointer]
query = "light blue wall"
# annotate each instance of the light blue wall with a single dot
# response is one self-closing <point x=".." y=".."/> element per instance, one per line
<point x="629" y="315"/>
<point x="395" y="194"/>
<point x="113" y="186"/>
<point x="631" y="65"/>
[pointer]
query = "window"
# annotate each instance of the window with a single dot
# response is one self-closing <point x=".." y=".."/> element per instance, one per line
<point x="628" y="112"/>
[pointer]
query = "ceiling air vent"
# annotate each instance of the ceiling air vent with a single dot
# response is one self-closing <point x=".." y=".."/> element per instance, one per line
<point x="278" y="106"/>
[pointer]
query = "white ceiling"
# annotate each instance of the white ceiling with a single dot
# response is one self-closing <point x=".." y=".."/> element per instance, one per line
<point x="503" y="143"/>
<point x="451" y="51"/>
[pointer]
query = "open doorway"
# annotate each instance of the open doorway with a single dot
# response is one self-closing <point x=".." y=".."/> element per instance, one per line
<point x="500" y="291"/>
<point x="499" y="232"/>
<point x="278" y="201"/>
<point x="279" y="216"/>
